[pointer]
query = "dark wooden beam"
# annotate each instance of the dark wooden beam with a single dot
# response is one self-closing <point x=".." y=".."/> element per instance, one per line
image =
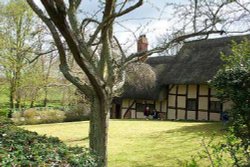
<point x="197" y="102"/>
<point x="167" y="102"/>
<point x="186" y="114"/>
<point x="209" y="104"/>
<point x="176" y="102"/>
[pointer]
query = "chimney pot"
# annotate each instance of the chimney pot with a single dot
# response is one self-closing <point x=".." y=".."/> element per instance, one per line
<point x="142" y="43"/>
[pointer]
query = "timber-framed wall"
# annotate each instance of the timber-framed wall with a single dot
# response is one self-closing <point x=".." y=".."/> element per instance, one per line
<point x="193" y="102"/>
<point x="181" y="102"/>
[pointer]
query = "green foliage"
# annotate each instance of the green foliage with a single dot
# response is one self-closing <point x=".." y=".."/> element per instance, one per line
<point x="240" y="56"/>
<point x="20" y="147"/>
<point x="227" y="152"/>
<point x="4" y="112"/>
<point x="5" y="121"/>
<point x="33" y="116"/>
<point x="233" y="83"/>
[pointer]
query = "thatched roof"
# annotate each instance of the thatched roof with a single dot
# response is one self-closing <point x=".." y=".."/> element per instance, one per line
<point x="140" y="82"/>
<point x="196" y="63"/>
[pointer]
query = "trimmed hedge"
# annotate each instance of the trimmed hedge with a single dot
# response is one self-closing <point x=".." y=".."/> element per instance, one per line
<point x="19" y="147"/>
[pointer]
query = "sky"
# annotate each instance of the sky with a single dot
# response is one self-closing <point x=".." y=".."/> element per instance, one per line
<point x="153" y="18"/>
<point x="150" y="19"/>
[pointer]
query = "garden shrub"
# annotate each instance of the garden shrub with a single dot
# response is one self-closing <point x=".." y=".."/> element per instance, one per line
<point x="19" y="147"/>
<point x="52" y="116"/>
<point x="227" y="152"/>
<point x="4" y="112"/>
<point x="33" y="116"/>
<point x="78" y="112"/>
<point x="4" y="121"/>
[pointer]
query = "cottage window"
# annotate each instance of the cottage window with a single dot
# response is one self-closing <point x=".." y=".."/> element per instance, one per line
<point x="192" y="104"/>
<point x="215" y="106"/>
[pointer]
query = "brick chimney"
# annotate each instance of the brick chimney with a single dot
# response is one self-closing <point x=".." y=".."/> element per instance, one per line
<point x="142" y="45"/>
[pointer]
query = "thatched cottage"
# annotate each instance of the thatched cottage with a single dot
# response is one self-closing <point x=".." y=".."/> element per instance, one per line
<point x="181" y="91"/>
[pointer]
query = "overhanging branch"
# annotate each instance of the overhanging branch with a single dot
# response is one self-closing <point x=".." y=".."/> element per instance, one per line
<point x="168" y="44"/>
<point x="62" y="55"/>
<point x="109" y="19"/>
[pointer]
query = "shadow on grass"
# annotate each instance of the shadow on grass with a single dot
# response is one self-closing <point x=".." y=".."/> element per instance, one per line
<point x="175" y="139"/>
<point x="202" y="130"/>
<point x="206" y="129"/>
<point x="75" y="140"/>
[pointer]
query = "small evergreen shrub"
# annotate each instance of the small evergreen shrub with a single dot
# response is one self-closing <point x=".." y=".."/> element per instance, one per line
<point x="19" y="147"/>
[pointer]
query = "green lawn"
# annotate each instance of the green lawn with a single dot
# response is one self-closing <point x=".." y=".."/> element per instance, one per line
<point x="138" y="142"/>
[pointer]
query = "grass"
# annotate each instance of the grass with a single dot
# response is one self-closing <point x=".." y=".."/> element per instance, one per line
<point x="139" y="143"/>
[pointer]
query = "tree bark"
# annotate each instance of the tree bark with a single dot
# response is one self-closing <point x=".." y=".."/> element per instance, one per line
<point x="17" y="81"/>
<point x="45" y="100"/>
<point x="99" y="125"/>
<point x="11" y="98"/>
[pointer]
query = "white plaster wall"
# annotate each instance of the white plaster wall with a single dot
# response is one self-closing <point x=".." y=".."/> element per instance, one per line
<point x="181" y="101"/>
<point x="202" y="115"/>
<point x="164" y="105"/>
<point x="191" y="115"/>
<point x="203" y="103"/>
<point x="173" y="90"/>
<point x="132" y="113"/>
<point x="140" y="115"/>
<point x="181" y="114"/>
<point x="192" y="91"/>
<point x="214" y="99"/>
<point x="171" y="100"/>
<point x="182" y="89"/>
<point x="203" y="90"/>
<point x="214" y="116"/>
<point x="171" y="114"/>
<point x="123" y="112"/>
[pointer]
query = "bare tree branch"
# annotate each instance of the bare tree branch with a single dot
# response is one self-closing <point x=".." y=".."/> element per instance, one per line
<point x="243" y="6"/>
<point x="168" y="44"/>
<point x="112" y="17"/>
<point x="64" y="65"/>
<point x="61" y="23"/>
<point x="120" y="48"/>
<point x="129" y="9"/>
<point x="86" y="21"/>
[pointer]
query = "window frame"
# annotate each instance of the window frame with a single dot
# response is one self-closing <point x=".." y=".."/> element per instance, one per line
<point x="193" y="103"/>
<point x="215" y="106"/>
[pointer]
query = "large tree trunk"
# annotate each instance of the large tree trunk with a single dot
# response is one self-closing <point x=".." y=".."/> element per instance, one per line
<point x="99" y="129"/>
